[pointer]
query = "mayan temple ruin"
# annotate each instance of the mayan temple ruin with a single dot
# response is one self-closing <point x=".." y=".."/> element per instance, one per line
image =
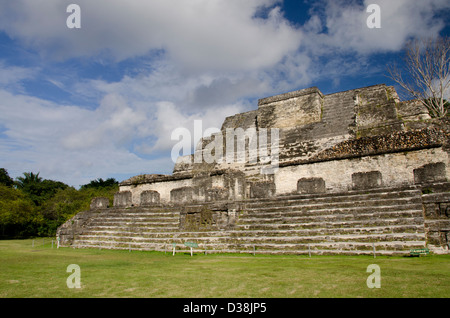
<point x="351" y="172"/>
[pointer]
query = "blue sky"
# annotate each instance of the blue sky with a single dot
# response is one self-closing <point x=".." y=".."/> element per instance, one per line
<point x="101" y="101"/>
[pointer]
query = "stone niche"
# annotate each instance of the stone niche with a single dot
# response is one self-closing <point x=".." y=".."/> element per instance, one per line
<point x="366" y="180"/>
<point x="123" y="199"/>
<point x="311" y="185"/>
<point x="99" y="203"/>
<point x="433" y="172"/>
<point x="150" y="197"/>
<point x="263" y="189"/>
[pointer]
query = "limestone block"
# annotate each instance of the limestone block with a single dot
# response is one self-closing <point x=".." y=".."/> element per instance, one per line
<point x="263" y="189"/>
<point x="366" y="180"/>
<point x="290" y="109"/>
<point x="150" y="197"/>
<point x="182" y="195"/>
<point x="311" y="185"/>
<point x="432" y="172"/>
<point x="122" y="199"/>
<point x="99" y="203"/>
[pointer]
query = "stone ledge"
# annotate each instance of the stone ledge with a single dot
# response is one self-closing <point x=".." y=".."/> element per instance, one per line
<point x="153" y="178"/>
<point x="377" y="145"/>
<point x="280" y="97"/>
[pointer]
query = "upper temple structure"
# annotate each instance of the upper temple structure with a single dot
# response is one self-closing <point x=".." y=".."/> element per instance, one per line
<point x="296" y="147"/>
<point x="326" y="143"/>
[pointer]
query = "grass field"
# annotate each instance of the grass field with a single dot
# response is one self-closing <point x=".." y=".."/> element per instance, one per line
<point x="40" y="271"/>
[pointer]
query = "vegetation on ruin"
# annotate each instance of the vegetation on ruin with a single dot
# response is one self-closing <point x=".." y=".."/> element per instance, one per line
<point x="41" y="271"/>
<point x="32" y="206"/>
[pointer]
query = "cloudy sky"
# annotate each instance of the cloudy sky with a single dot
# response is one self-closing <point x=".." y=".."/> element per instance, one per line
<point x="100" y="101"/>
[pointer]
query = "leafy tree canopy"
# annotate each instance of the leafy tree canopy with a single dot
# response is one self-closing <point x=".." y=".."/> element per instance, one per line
<point x="37" y="189"/>
<point x="5" y="179"/>
<point x="100" y="183"/>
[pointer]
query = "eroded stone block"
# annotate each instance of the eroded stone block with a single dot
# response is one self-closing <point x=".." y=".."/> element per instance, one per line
<point x="433" y="172"/>
<point x="150" y="197"/>
<point x="99" y="203"/>
<point x="216" y="194"/>
<point x="264" y="189"/>
<point x="182" y="195"/>
<point x="366" y="180"/>
<point x="122" y="199"/>
<point x="311" y="185"/>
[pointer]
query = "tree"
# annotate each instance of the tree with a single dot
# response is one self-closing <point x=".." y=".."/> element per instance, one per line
<point x="28" y="178"/>
<point x="5" y="179"/>
<point x="427" y="65"/>
<point x="17" y="213"/>
<point x="100" y="183"/>
<point x="37" y="189"/>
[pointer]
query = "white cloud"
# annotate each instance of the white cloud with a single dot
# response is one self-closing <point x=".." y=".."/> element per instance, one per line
<point x="68" y="143"/>
<point x="198" y="35"/>
<point x="345" y="23"/>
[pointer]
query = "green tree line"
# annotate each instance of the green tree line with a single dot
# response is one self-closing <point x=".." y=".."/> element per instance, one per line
<point x="32" y="206"/>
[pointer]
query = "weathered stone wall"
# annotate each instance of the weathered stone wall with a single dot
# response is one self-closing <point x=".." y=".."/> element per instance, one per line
<point x="208" y="217"/>
<point x="396" y="169"/>
<point x="162" y="185"/>
<point x="436" y="207"/>
<point x="291" y="109"/>
<point x="205" y="187"/>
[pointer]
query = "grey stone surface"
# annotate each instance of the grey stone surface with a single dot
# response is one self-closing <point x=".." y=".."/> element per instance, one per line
<point x="150" y="197"/>
<point x="311" y="185"/>
<point x="182" y="195"/>
<point x="433" y="172"/>
<point x="99" y="203"/>
<point x="263" y="189"/>
<point x="123" y="199"/>
<point x="367" y="180"/>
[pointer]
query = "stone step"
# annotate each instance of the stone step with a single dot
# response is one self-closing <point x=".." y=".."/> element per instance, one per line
<point x="137" y="214"/>
<point x="410" y="191"/>
<point x="359" y="212"/>
<point x="330" y="223"/>
<point x="116" y="228"/>
<point x="320" y="222"/>
<point x="392" y="229"/>
<point x="404" y="237"/>
<point x="133" y="223"/>
<point x="334" y="223"/>
<point x="329" y="203"/>
<point x="327" y="222"/>
<point x="400" y="247"/>
<point x="136" y="221"/>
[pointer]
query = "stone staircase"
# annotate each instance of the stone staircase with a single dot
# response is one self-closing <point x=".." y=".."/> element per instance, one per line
<point x="347" y="223"/>
<point x="391" y="221"/>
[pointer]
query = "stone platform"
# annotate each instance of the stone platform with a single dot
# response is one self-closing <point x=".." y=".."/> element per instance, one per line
<point x="355" y="222"/>
<point x="345" y="173"/>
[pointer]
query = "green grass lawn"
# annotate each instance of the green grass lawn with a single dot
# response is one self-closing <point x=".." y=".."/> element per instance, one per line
<point x="40" y="271"/>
